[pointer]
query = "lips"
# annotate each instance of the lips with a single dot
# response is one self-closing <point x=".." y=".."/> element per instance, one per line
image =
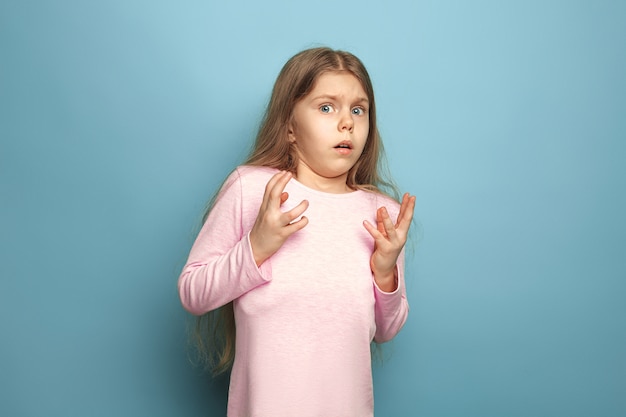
<point x="346" y="144"/>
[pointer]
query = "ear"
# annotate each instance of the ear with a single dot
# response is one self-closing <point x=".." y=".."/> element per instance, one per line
<point x="291" y="135"/>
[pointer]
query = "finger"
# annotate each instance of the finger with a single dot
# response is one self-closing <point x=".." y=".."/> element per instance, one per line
<point x="296" y="212"/>
<point x="277" y="187"/>
<point x="297" y="225"/>
<point x="270" y="186"/>
<point x="379" y="221"/>
<point x="404" y="221"/>
<point x="384" y="222"/>
<point x="283" y="197"/>
<point x="402" y="208"/>
<point x="272" y="182"/>
<point x="390" y="228"/>
<point x="373" y="231"/>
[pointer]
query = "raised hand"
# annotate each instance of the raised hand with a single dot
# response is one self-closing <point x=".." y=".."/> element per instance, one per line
<point x="389" y="239"/>
<point x="272" y="227"/>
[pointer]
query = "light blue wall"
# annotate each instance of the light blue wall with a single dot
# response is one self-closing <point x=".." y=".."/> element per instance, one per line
<point x="507" y="119"/>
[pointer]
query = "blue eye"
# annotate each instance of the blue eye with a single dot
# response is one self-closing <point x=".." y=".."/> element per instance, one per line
<point x="326" y="108"/>
<point x="358" y="111"/>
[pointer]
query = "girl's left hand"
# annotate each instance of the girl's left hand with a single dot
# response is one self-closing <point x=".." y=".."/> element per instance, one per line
<point x="389" y="239"/>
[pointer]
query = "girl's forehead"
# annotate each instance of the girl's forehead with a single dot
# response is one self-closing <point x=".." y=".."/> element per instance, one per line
<point x="330" y="81"/>
<point x="336" y="74"/>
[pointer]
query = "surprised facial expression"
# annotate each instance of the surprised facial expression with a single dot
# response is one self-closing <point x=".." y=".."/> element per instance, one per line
<point x="329" y="129"/>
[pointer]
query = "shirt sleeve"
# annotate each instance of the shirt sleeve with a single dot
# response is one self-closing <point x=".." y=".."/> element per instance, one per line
<point x="221" y="265"/>
<point x="391" y="308"/>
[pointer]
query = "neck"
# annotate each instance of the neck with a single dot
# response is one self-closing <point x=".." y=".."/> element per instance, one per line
<point x="333" y="185"/>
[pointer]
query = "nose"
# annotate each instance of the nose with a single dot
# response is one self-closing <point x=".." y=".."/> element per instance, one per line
<point x="346" y="123"/>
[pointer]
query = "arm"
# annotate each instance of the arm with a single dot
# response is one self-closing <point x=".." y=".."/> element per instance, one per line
<point x="387" y="264"/>
<point x="227" y="261"/>
<point x="391" y="308"/>
<point x="221" y="265"/>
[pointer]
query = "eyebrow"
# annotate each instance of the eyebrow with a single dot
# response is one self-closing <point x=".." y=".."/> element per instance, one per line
<point x="335" y="98"/>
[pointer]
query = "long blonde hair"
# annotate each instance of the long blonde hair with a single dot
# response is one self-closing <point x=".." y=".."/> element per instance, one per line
<point x="215" y="331"/>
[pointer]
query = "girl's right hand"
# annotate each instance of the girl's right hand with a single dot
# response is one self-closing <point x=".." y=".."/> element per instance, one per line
<point x="272" y="226"/>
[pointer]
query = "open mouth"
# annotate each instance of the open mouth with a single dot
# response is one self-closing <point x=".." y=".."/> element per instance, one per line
<point x="344" y="145"/>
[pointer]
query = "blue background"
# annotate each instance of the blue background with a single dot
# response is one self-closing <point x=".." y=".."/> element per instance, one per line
<point x="507" y="119"/>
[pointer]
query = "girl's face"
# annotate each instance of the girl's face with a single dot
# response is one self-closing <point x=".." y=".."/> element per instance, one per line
<point x="329" y="128"/>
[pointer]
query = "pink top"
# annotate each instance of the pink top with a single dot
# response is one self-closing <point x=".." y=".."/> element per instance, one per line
<point x="306" y="317"/>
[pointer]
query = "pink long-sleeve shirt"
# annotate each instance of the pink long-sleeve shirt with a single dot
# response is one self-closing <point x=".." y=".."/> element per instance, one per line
<point x="306" y="317"/>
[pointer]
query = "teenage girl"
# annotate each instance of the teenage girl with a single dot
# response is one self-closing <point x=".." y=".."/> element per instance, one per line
<point x="304" y="250"/>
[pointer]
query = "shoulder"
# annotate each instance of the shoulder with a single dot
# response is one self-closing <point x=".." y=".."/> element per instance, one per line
<point x="254" y="174"/>
<point x="244" y="187"/>
<point x="247" y="176"/>
<point x="245" y="181"/>
<point x="383" y="200"/>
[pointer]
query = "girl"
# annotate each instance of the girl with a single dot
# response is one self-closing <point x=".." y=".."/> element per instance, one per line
<point x="305" y="249"/>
